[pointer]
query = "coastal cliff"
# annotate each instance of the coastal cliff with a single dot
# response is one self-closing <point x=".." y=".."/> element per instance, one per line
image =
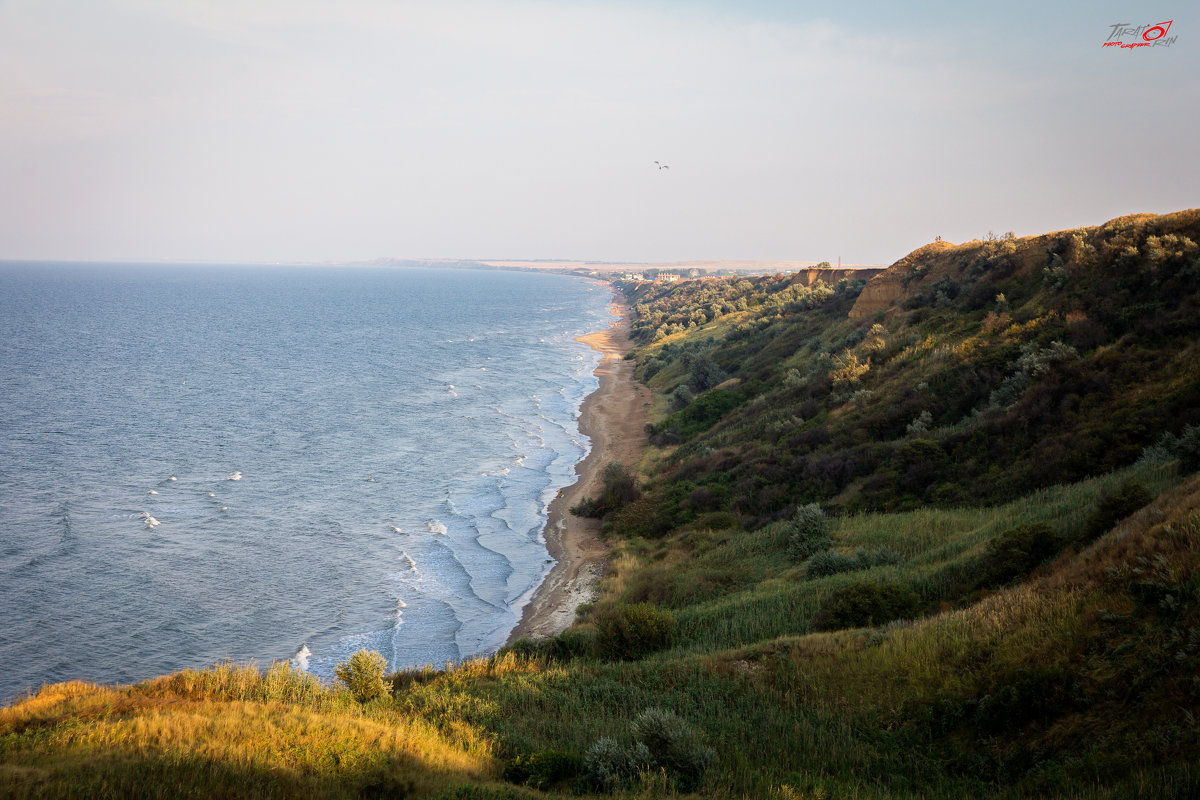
<point x="920" y="272"/>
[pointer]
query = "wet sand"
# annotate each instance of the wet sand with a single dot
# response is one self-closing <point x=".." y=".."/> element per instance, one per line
<point x="614" y="417"/>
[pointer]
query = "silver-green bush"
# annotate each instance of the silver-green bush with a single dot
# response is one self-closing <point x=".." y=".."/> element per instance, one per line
<point x="363" y="675"/>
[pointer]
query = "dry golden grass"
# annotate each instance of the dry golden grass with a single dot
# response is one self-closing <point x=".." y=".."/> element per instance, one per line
<point x="323" y="744"/>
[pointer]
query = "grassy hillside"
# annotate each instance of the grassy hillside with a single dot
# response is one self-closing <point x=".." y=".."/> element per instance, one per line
<point x="948" y="547"/>
<point x="1001" y="367"/>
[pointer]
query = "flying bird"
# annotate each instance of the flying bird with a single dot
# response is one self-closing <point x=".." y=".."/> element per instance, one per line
<point x="662" y="166"/>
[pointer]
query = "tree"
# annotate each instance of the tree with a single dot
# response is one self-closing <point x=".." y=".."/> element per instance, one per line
<point x="363" y="675"/>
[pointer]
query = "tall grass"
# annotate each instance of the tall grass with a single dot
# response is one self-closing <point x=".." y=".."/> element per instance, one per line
<point x="227" y="731"/>
<point x="788" y="713"/>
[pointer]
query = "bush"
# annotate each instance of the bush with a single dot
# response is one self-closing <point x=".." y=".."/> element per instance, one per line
<point x="1185" y="447"/>
<point x="629" y="632"/>
<point x="1188" y="450"/>
<point x="674" y="746"/>
<point x="1115" y="507"/>
<point x="608" y="763"/>
<point x="920" y="424"/>
<point x="863" y="604"/>
<point x="1016" y="552"/>
<point x="808" y="532"/>
<point x="564" y="647"/>
<point x="682" y="397"/>
<point x="829" y="562"/>
<point x="704" y="373"/>
<point x="543" y="770"/>
<point x="363" y="675"/>
<point x="620" y="489"/>
<point x="662" y="741"/>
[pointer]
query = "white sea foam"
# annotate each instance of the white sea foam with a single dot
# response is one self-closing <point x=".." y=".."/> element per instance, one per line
<point x="150" y="521"/>
<point x="237" y="476"/>
<point x="436" y="527"/>
<point x="299" y="661"/>
<point x="408" y="560"/>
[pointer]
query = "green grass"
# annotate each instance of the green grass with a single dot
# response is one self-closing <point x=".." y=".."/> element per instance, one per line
<point x="872" y="713"/>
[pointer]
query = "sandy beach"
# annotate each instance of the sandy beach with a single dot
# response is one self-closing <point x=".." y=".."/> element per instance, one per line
<point x="614" y="417"/>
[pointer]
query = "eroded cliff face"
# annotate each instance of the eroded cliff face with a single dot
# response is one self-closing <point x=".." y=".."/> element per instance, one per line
<point x="942" y="266"/>
<point x="891" y="286"/>
<point x="832" y="275"/>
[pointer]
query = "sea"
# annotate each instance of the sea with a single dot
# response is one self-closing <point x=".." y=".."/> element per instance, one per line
<point x="278" y="463"/>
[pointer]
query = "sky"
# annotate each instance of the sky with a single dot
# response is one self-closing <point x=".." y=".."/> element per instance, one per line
<point x="305" y="131"/>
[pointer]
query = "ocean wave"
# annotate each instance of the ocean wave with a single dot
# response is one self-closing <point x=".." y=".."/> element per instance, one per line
<point x="299" y="659"/>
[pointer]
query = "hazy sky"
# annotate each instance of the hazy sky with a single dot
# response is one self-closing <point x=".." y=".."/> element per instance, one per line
<point x="295" y="130"/>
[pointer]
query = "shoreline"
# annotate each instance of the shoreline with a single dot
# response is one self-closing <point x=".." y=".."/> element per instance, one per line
<point x="614" y="417"/>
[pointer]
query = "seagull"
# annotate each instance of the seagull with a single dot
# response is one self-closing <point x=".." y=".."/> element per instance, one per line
<point x="662" y="166"/>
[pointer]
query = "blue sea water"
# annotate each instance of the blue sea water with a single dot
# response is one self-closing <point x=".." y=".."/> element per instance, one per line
<point x="269" y="463"/>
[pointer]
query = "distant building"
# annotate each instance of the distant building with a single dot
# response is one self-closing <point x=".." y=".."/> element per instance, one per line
<point x="668" y="278"/>
<point x="633" y="276"/>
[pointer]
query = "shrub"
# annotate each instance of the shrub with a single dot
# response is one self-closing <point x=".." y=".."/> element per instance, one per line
<point x="543" y="770"/>
<point x="566" y="646"/>
<point x="1016" y="552"/>
<point x="863" y="604"/>
<point x="1188" y="450"/>
<point x="848" y="369"/>
<point x="363" y="675"/>
<point x="674" y="746"/>
<point x="682" y="397"/>
<point x="620" y="489"/>
<point x="829" y="562"/>
<point x="629" y="632"/>
<point x="608" y="763"/>
<point x="808" y="532"/>
<point x="1115" y="507"/>
<point x="704" y="373"/>
<point x="1161" y="451"/>
<point x="1185" y="447"/>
